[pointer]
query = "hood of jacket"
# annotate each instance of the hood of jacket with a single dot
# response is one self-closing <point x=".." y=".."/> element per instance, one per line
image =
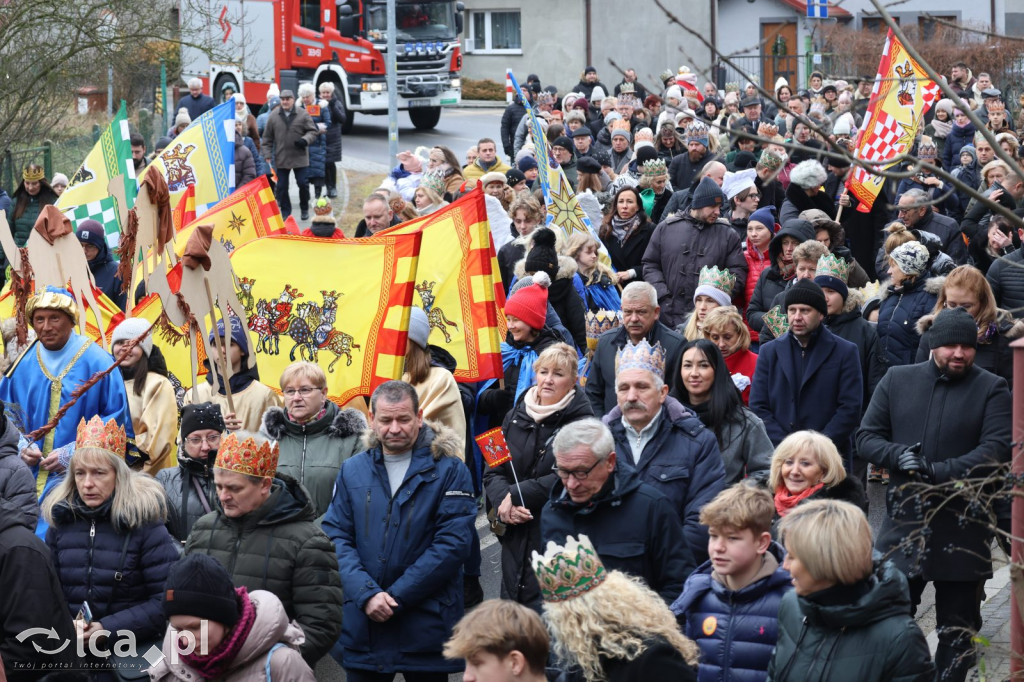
<point x="443" y="441"/>
<point x="931" y="285"/>
<point x="796" y="228"/>
<point x="337" y="423"/>
<point x="439" y="357"/>
<point x="1010" y="328"/>
<point x="701" y="582"/>
<point x="888" y="596"/>
<point x="288" y="502"/>
<point x="12" y="516"/>
<point x="623" y="481"/>
<point x="566" y="268"/>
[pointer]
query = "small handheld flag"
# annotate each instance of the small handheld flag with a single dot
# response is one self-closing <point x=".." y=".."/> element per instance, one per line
<point x="495" y="451"/>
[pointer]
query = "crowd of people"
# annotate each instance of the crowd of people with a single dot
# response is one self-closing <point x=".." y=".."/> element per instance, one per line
<point x="695" y="398"/>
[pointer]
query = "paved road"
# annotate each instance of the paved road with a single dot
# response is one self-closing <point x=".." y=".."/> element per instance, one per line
<point x="458" y="129"/>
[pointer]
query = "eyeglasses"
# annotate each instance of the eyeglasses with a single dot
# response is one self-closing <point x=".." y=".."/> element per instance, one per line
<point x="213" y="439"/>
<point x="305" y="391"/>
<point x="578" y="475"/>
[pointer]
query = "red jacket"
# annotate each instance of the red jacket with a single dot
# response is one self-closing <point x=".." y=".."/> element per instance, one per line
<point x="743" y="362"/>
<point x="757" y="262"/>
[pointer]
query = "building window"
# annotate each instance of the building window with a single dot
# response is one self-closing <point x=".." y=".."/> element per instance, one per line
<point x="876" y="24"/>
<point x="495" y="32"/>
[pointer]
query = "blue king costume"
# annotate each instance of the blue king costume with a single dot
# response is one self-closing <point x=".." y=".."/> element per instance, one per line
<point x="42" y="380"/>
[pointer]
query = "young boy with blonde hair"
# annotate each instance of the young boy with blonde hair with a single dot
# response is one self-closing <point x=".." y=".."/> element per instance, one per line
<point x="730" y="604"/>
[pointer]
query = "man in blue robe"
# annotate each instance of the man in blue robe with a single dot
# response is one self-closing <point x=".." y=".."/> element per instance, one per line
<point x="42" y="380"/>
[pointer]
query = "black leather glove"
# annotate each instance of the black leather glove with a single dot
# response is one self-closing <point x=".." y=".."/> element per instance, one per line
<point x="301" y="143"/>
<point x="911" y="462"/>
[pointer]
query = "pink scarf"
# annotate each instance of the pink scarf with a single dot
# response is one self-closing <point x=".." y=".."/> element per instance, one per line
<point x="217" y="663"/>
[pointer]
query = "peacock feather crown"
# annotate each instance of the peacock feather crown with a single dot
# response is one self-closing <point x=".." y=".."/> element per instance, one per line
<point x="776" y="321"/>
<point x="567" y="572"/>
<point x="109" y="436"/>
<point x="641" y="356"/>
<point x="723" y="280"/>
<point x="831" y="265"/>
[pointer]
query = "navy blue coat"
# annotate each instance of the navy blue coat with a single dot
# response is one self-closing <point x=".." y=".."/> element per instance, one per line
<point x="898" y="315"/>
<point x="412" y="546"/>
<point x="104" y="271"/>
<point x="633" y="528"/>
<point x="828" y="399"/>
<point x="682" y="462"/>
<point x="86" y="567"/>
<point x="318" y="147"/>
<point x="736" y="631"/>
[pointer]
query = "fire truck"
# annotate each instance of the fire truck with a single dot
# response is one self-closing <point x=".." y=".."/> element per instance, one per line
<point x="259" y="42"/>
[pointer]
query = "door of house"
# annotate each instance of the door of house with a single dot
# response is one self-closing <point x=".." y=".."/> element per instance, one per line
<point x="779" y="54"/>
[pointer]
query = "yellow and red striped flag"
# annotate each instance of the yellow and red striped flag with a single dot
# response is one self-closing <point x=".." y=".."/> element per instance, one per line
<point x="459" y="287"/>
<point x="299" y="306"/>
<point x="247" y="214"/>
<point x="185" y="210"/>
<point x="901" y="97"/>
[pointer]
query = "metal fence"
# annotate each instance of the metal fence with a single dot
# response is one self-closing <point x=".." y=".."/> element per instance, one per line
<point x="768" y="68"/>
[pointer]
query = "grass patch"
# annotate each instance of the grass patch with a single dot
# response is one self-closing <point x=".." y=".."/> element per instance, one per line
<point x="484" y="89"/>
<point x="360" y="185"/>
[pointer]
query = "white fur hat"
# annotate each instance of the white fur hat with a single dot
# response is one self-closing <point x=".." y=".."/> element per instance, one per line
<point x="808" y="174"/>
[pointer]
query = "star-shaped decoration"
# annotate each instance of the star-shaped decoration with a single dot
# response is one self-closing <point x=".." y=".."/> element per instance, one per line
<point x="236" y="223"/>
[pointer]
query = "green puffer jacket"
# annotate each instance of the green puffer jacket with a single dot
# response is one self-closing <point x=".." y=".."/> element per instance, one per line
<point x="278" y="548"/>
<point x="874" y="639"/>
<point x="312" y="453"/>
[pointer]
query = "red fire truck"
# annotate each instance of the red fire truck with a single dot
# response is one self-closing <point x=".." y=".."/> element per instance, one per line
<point x="259" y="42"/>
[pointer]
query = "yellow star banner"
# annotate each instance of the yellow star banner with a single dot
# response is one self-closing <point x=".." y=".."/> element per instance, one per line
<point x="357" y="332"/>
<point x="249" y="213"/>
<point x="459" y="287"/>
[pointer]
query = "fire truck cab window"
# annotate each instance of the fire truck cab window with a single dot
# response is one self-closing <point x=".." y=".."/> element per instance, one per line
<point x="310" y="11"/>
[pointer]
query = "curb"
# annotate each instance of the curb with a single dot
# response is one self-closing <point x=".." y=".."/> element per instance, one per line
<point x="482" y="104"/>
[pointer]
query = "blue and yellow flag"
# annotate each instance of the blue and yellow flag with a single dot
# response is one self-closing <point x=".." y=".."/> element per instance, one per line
<point x="202" y="155"/>
<point x="87" y="196"/>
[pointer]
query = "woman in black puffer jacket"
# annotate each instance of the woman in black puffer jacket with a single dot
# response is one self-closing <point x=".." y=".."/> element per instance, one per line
<point x="530" y="428"/>
<point x="107" y="538"/>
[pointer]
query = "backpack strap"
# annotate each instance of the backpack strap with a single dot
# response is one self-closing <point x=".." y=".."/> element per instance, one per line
<point x="119" y="573"/>
<point x="270" y="654"/>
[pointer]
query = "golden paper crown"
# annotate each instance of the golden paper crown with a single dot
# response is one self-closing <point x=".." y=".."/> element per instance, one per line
<point x="567" y="572"/>
<point x="247" y="456"/>
<point x="598" y="323"/>
<point x="52" y="298"/>
<point x="641" y="356"/>
<point x="831" y="265"/>
<point x="653" y="168"/>
<point x="776" y="321"/>
<point x="723" y="280"/>
<point x="95" y="434"/>
<point x="33" y="175"/>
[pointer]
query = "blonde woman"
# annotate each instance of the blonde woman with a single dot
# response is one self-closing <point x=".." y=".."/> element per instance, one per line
<point x="848" y="616"/>
<point x="107" y="538"/>
<point x="807" y="466"/>
<point x="598" y="279"/>
<point x="609" y="624"/>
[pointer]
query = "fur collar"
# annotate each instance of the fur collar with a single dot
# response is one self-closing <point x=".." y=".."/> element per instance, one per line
<point x="347" y="422"/>
<point x="1010" y="328"/>
<point x="444" y="442"/>
<point x="932" y="285"/>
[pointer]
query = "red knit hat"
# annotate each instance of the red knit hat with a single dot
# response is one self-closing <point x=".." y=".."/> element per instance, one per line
<point x="530" y="304"/>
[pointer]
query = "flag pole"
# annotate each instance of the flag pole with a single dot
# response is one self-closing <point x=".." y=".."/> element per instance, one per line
<point x="516" y="479"/>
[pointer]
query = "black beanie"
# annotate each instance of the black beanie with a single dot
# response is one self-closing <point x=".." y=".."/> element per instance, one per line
<point x="542" y="256"/>
<point x="645" y="154"/>
<point x="198" y="585"/>
<point x="708" y="193"/>
<point x="201" y="416"/>
<point x="806" y="292"/>
<point x="564" y="142"/>
<point x="953" y="326"/>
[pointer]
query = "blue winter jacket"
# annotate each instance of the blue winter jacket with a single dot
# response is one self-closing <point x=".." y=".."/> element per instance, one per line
<point x="735" y="630"/>
<point x="412" y="546"/>
<point x="956" y="139"/>
<point x="318" y="148"/>
<point x="86" y="551"/>
<point x="898" y="314"/>
<point x="682" y="462"/>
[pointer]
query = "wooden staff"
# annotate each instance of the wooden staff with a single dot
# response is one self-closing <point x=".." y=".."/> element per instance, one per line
<point x="222" y="357"/>
<point x="839" y="212"/>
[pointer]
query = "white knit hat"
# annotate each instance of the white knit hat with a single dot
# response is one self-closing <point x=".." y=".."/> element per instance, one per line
<point x="129" y="329"/>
